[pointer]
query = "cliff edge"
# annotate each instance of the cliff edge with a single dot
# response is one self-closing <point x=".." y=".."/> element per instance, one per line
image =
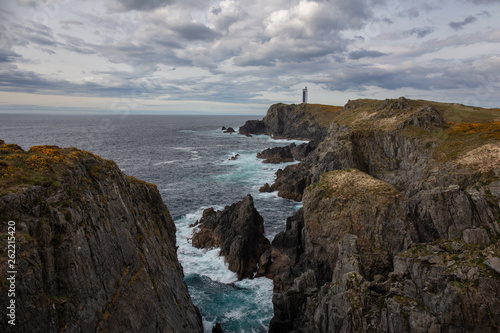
<point x="95" y="249"/>
<point x="400" y="226"/>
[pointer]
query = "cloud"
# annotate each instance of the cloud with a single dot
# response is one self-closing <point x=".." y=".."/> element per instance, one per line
<point x="77" y="45"/>
<point x="484" y="2"/>
<point x="141" y="5"/>
<point x="193" y="31"/>
<point x="303" y="31"/>
<point x="460" y="25"/>
<point x="421" y="32"/>
<point x="8" y="56"/>
<point x="355" y="55"/>
<point x="439" y="74"/>
<point x="243" y="51"/>
<point x="453" y="41"/>
<point x="223" y="15"/>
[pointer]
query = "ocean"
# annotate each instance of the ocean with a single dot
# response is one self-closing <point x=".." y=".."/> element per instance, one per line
<point x="188" y="158"/>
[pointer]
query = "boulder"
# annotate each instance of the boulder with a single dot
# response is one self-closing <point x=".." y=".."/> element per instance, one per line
<point x="476" y="236"/>
<point x="493" y="263"/>
<point x="253" y="127"/>
<point x="266" y="188"/>
<point x="276" y="155"/>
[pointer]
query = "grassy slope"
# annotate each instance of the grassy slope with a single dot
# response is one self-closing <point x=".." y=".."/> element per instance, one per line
<point x="469" y="131"/>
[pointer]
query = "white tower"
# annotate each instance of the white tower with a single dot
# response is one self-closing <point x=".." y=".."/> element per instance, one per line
<point x="304" y="95"/>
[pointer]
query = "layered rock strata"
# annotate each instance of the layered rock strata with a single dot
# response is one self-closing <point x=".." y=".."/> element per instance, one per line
<point x="95" y="249"/>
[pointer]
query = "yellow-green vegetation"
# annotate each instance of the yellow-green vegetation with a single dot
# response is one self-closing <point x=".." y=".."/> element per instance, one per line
<point x="353" y="184"/>
<point x="467" y="128"/>
<point x="458" y="258"/>
<point x="42" y="165"/>
<point x="139" y="181"/>
<point x="388" y="114"/>
<point x="470" y="144"/>
<point x="322" y="114"/>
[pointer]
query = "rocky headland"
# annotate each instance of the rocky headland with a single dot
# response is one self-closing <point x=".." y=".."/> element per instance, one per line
<point x="95" y="249"/>
<point x="400" y="225"/>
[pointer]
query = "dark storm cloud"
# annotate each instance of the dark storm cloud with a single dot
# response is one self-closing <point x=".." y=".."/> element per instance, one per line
<point x="142" y="5"/>
<point x="194" y="31"/>
<point x="355" y="55"/>
<point x="459" y="25"/>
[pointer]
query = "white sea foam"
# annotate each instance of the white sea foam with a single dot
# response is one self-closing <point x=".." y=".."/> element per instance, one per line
<point x="288" y="141"/>
<point x="200" y="261"/>
<point x="167" y="162"/>
<point x="183" y="148"/>
<point x="250" y="304"/>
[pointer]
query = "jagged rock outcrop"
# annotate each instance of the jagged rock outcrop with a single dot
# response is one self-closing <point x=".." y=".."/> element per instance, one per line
<point x="346" y="204"/>
<point x="292" y="181"/>
<point x="405" y="236"/>
<point x="289" y="153"/>
<point x="276" y="155"/>
<point x="253" y="127"/>
<point x="238" y="231"/>
<point x="95" y="249"/>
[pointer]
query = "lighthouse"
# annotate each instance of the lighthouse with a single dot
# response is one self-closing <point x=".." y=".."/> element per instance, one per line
<point x="304" y="95"/>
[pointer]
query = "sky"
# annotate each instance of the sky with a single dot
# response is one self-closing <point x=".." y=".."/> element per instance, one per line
<point x="239" y="57"/>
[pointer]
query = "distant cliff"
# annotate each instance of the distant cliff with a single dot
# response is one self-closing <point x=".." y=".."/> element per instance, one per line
<point x="303" y="121"/>
<point x="400" y="225"/>
<point x="95" y="249"/>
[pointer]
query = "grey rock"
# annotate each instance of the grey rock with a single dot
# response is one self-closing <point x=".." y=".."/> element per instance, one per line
<point x="276" y="155"/>
<point x="238" y="231"/>
<point x="97" y="252"/>
<point x="389" y="287"/>
<point x="476" y="236"/>
<point x="493" y="263"/>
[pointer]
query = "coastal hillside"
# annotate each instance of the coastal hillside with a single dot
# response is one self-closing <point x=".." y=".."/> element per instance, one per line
<point x="400" y="225"/>
<point x="95" y="249"/>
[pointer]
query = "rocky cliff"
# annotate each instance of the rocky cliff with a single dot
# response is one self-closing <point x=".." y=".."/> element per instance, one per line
<point x="302" y="121"/>
<point x="400" y="227"/>
<point x="95" y="249"/>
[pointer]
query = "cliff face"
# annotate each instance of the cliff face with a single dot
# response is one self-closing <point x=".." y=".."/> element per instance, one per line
<point x="303" y="121"/>
<point x="95" y="248"/>
<point x="401" y="221"/>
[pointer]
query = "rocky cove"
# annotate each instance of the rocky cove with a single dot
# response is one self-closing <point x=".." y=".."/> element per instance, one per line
<point x="400" y="225"/>
<point x="398" y="232"/>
